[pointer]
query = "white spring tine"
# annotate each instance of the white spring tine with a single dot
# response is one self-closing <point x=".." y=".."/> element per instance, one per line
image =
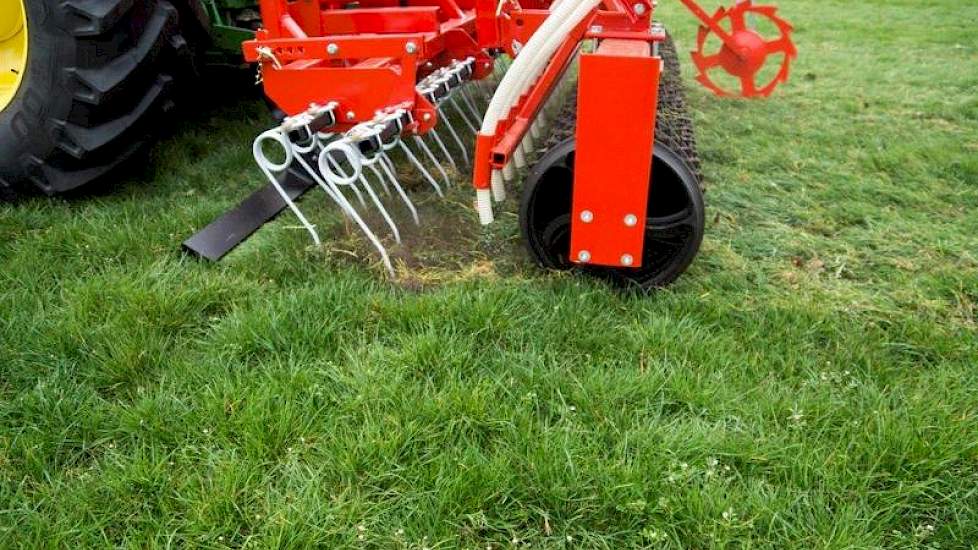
<point x="465" y="118"/>
<point x="381" y="179"/>
<point x="417" y="164"/>
<point x="380" y="206"/>
<point x="434" y="160"/>
<point x="328" y="174"/>
<point x="444" y="150"/>
<point x="356" y="191"/>
<point x="336" y="167"/>
<point x="468" y="102"/>
<point x="388" y="168"/>
<point x="268" y="167"/>
<point x="451" y="130"/>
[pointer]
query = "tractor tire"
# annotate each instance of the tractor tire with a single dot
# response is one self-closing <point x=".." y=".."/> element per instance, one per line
<point x="99" y="75"/>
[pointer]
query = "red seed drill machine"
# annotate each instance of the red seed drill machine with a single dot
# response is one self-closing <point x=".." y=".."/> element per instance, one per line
<point x="581" y="100"/>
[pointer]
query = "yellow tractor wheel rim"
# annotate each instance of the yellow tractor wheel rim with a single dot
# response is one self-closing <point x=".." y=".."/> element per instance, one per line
<point x="13" y="49"/>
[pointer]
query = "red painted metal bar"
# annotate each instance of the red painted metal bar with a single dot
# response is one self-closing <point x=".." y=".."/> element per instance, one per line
<point x="512" y="129"/>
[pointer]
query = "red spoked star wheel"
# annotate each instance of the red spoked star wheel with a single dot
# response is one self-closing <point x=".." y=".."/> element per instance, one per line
<point x="745" y="51"/>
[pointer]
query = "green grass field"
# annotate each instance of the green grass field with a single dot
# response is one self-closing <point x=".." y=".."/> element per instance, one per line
<point x="812" y="382"/>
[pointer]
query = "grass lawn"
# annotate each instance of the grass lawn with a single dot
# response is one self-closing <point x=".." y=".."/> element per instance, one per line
<point x="812" y="382"/>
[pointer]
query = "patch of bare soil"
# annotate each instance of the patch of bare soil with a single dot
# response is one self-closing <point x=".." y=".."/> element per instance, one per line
<point x="448" y="245"/>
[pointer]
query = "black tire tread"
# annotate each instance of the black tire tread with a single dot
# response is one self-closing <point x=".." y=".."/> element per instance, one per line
<point x="128" y="56"/>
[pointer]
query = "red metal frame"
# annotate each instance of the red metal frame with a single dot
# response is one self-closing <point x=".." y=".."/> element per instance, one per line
<point x="369" y="59"/>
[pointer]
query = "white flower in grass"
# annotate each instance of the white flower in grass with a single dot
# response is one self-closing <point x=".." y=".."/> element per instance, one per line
<point x="399" y="533"/>
<point x="797" y="415"/>
<point x="729" y="515"/>
<point x="712" y="462"/>
<point x="570" y="538"/>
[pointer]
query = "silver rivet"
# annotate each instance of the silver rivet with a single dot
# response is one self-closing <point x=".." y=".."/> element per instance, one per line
<point x="587" y="216"/>
<point x="350" y="115"/>
<point x="627" y="260"/>
<point x="639" y="9"/>
<point x="631" y="220"/>
<point x="411" y="47"/>
<point x="332" y="49"/>
<point x="426" y="117"/>
<point x="596" y="29"/>
<point x="584" y="256"/>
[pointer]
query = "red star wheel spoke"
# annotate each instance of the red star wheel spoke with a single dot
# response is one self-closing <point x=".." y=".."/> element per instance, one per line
<point x="747" y="86"/>
<point x="745" y="52"/>
<point x="737" y="20"/>
<point x="782" y="44"/>
<point x="707" y="62"/>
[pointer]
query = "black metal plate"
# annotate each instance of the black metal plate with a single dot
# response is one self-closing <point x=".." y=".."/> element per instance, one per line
<point x="225" y="233"/>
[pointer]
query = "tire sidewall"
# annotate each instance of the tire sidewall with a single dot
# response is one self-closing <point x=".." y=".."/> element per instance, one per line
<point x="26" y="124"/>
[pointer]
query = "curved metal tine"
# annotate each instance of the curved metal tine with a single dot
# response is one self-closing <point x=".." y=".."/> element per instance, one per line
<point x="417" y="164"/>
<point x="431" y="156"/>
<point x="331" y="189"/>
<point x="465" y="118"/>
<point x="266" y="168"/>
<point x="444" y="150"/>
<point x="451" y="129"/>
<point x="388" y="168"/>
<point x="352" y="213"/>
<point x="468" y="102"/>
<point x="381" y="179"/>
<point x="380" y="206"/>
<point x="477" y="86"/>
<point x="335" y="165"/>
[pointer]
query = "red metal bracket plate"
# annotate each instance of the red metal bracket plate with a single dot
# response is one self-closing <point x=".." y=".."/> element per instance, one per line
<point x="616" y="108"/>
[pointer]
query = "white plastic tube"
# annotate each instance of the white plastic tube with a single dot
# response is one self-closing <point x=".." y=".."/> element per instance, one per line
<point x="534" y="57"/>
